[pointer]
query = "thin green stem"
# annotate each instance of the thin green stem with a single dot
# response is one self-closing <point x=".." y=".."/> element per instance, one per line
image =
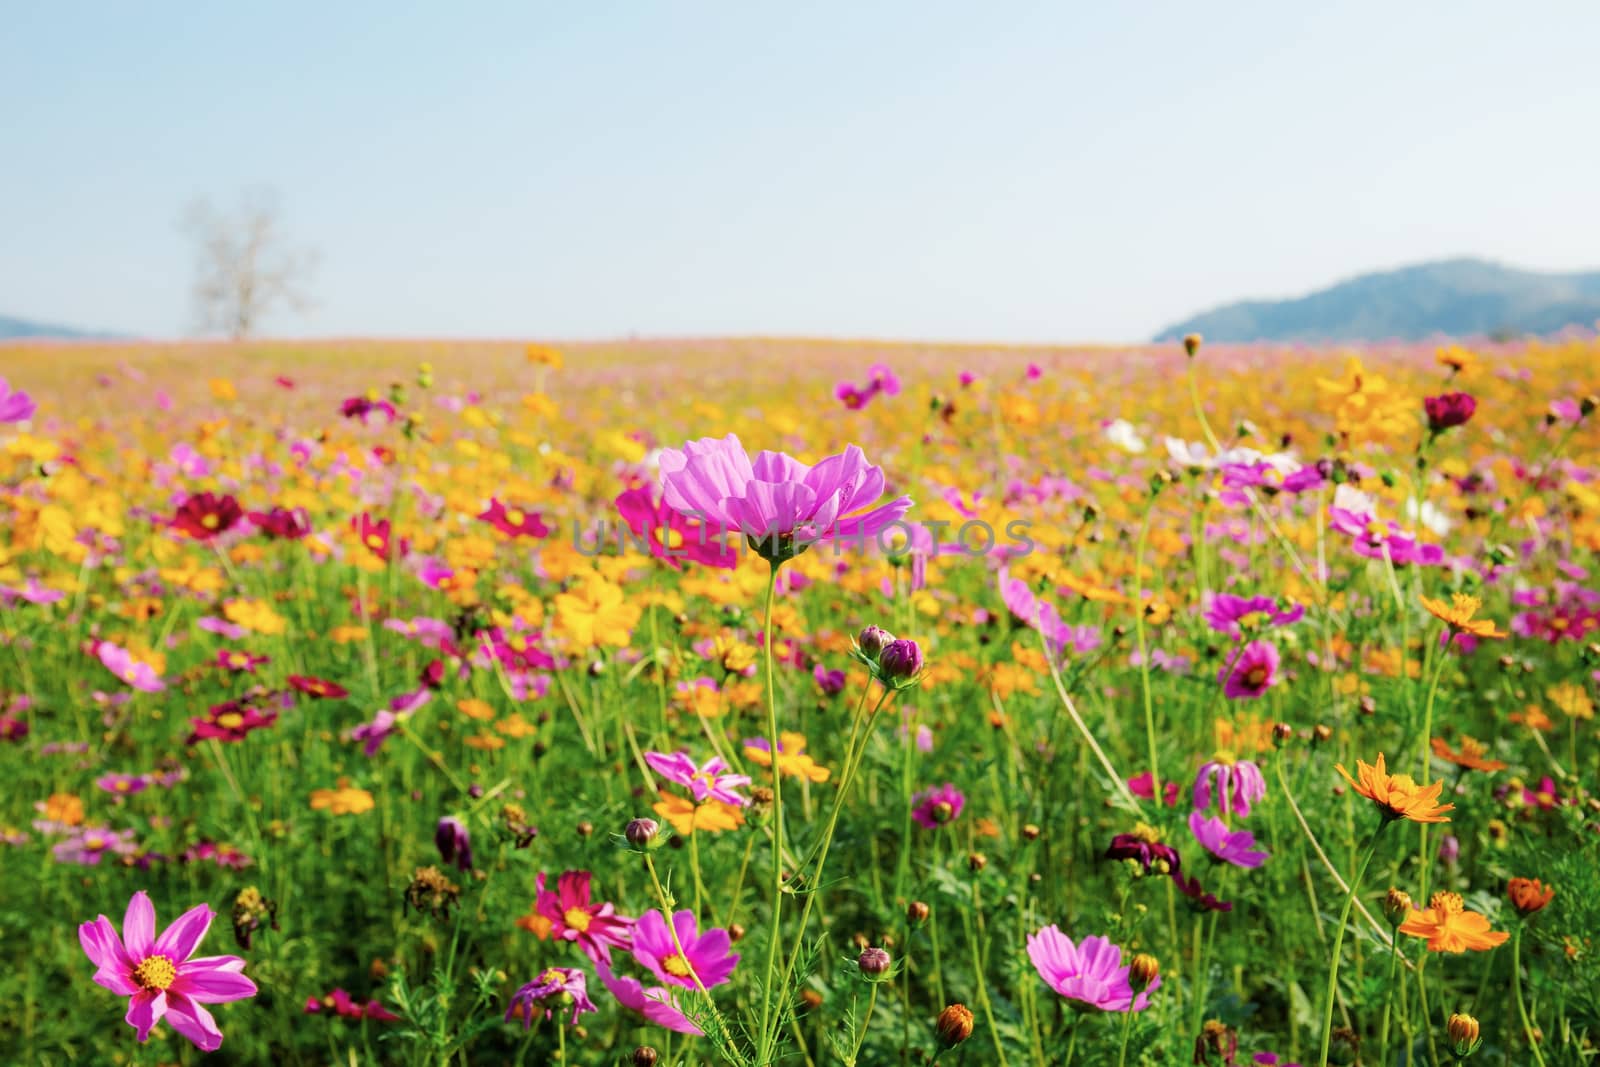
<point x="1338" y="943"/>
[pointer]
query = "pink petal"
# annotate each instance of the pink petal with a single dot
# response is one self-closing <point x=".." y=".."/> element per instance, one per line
<point x="210" y="984"/>
<point x="139" y="926"/>
<point x="178" y="941"/>
<point x="194" y="1022"/>
<point x="102" y="945"/>
<point x="145" y="1009"/>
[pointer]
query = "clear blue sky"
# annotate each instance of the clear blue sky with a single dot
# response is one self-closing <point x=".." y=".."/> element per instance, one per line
<point x="981" y="171"/>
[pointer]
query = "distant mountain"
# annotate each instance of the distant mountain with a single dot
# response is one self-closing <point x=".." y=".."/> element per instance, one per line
<point x="1459" y="297"/>
<point x="18" y="329"/>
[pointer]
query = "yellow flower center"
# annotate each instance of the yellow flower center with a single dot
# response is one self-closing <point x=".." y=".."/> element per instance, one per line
<point x="374" y="541"/>
<point x="210" y="522"/>
<point x="672" y="538"/>
<point x="551" y="977"/>
<point x="230" y="720"/>
<point x="121" y="785"/>
<point x="676" y="966"/>
<point x="576" y="918"/>
<point x="1147" y="833"/>
<point x="1448" y="903"/>
<point x="94" y="842"/>
<point x="515" y="517"/>
<point x="156" y="973"/>
<point x="1255" y="677"/>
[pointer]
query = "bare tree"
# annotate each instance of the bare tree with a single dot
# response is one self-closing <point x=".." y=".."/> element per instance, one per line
<point x="245" y="268"/>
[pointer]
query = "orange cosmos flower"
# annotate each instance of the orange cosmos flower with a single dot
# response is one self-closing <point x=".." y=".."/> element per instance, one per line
<point x="1398" y="796"/>
<point x="1529" y="895"/>
<point x="1458" y="615"/>
<point x="686" y="817"/>
<point x="1470" y="756"/>
<point x="1450" y="927"/>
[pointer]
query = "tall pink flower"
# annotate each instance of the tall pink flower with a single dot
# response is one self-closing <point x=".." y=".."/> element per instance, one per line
<point x="782" y="506"/>
<point x="1252" y="671"/>
<point x="1090" y="972"/>
<point x="656" y="1003"/>
<point x="159" y="975"/>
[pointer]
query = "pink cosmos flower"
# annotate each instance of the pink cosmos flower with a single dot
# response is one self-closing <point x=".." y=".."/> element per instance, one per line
<point x="595" y="926"/>
<point x="1143" y="786"/>
<point x="1250" y="673"/>
<point x="1230" y="846"/>
<point x="781" y="505"/>
<point x="704" y="782"/>
<point x="546" y="990"/>
<point x="15" y="405"/>
<point x="935" y="807"/>
<point x="655" y="1003"/>
<point x="86" y="846"/>
<point x="158" y="974"/>
<point x="1230" y="614"/>
<point x="1354" y="514"/>
<point x="670" y="536"/>
<point x="135" y="673"/>
<point x="704" y="956"/>
<point x="1238" y="785"/>
<point x="341" y="1004"/>
<point x="122" y="784"/>
<point x="373" y="734"/>
<point x="1091" y="973"/>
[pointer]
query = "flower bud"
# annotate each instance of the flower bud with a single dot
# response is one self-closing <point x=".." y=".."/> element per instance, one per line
<point x="643" y="833"/>
<point x="874" y="963"/>
<point x="1396" y="906"/>
<point x="976" y="862"/>
<point x="1191" y="344"/>
<point x="1529" y="895"/>
<point x="901" y="662"/>
<point x="1462" y="1032"/>
<point x="917" y="913"/>
<point x="1344" y="1049"/>
<point x="1282" y="734"/>
<point x="454" y="843"/>
<point x="645" y="1056"/>
<point x="954" y="1025"/>
<point x="872" y="640"/>
<point x="1142" y="971"/>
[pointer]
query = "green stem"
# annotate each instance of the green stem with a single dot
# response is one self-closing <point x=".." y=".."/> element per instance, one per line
<point x="767" y="1038"/>
<point x="1516" y="993"/>
<point x="1338" y="943"/>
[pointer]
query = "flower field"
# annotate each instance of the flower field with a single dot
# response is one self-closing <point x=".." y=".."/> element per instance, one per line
<point x="804" y="702"/>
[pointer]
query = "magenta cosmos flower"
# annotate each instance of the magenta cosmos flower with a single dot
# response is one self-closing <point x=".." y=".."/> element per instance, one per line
<point x="781" y="505"/>
<point x="704" y="956"/>
<point x="1237" y="847"/>
<point x="15" y="405"/>
<point x="158" y="974"/>
<point x="935" y="807"/>
<point x="1251" y="672"/>
<point x="656" y="1004"/>
<point x="595" y="926"/>
<point x="669" y="536"/>
<point x="1238" y="784"/>
<point x="707" y="782"/>
<point x="1090" y="973"/>
<point x="1232" y="615"/>
<point x="552" y="991"/>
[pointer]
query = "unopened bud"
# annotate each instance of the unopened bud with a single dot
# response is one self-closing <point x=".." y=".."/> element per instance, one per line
<point x="1396" y="906"/>
<point x="645" y="1056"/>
<point x="1142" y="971"/>
<point x="1462" y="1030"/>
<point x="1191" y="343"/>
<point x="954" y="1025"/>
<point x="643" y="833"/>
<point x="874" y="963"/>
